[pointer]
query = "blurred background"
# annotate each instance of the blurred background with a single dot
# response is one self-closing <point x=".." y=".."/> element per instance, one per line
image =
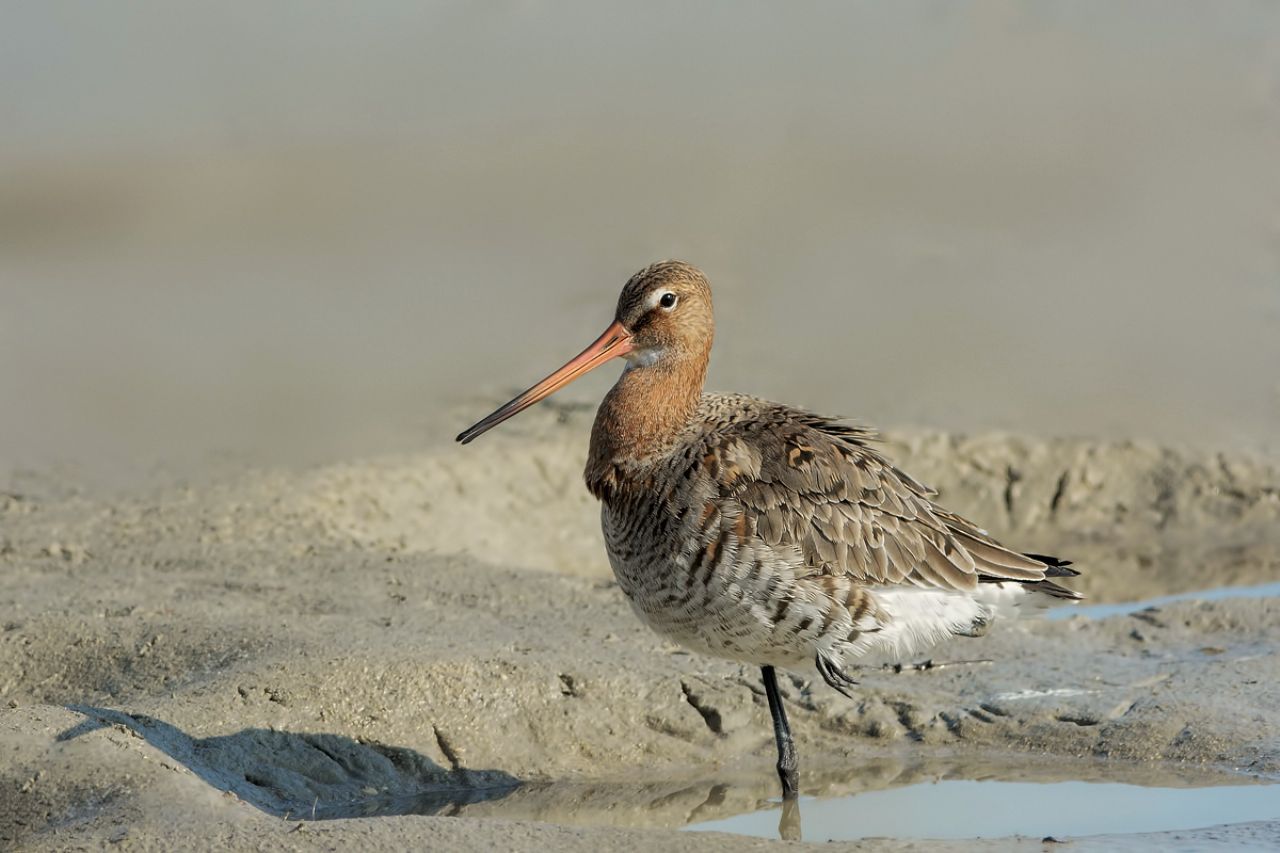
<point x="299" y="231"/>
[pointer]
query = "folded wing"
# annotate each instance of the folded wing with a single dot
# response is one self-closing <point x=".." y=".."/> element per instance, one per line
<point x="818" y="485"/>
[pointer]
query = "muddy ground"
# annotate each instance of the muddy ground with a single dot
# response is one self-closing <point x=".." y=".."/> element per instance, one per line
<point x="409" y="637"/>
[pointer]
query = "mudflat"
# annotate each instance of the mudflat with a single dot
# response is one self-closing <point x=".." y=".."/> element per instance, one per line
<point x="428" y="651"/>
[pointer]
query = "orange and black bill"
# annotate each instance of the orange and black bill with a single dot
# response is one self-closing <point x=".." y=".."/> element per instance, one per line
<point x="616" y="341"/>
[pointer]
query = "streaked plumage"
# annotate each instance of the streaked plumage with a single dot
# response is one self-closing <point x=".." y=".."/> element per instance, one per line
<point x="762" y="533"/>
<point x="766" y="534"/>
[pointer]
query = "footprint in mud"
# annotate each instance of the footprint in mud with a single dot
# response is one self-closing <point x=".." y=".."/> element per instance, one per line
<point x="706" y="710"/>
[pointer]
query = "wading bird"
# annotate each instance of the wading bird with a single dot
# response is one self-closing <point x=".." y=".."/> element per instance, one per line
<point x="765" y="534"/>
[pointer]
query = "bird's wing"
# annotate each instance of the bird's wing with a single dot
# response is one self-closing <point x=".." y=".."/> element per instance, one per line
<point x="817" y="485"/>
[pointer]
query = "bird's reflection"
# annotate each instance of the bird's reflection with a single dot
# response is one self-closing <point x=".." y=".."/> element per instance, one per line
<point x="708" y="803"/>
<point x="616" y="804"/>
<point x="672" y="804"/>
<point x="789" y="820"/>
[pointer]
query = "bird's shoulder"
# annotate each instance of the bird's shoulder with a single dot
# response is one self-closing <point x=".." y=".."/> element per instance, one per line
<point x="746" y="440"/>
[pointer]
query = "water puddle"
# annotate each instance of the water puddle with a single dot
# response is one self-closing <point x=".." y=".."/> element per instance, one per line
<point x="1102" y="611"/>
<point x="965" y="809"/>
<point x="882" y="797"/>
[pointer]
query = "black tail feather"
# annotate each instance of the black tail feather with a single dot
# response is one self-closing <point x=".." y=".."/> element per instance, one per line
<point x="1054" y="568"/>
<point x="1057" y="568"/>
<point x="1051" y="588"/>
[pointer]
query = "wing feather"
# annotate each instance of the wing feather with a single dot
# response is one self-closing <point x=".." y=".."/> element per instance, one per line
<point x="821" y="489"/>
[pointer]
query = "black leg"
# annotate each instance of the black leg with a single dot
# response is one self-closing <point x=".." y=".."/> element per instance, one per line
<point x="787" y="763"/>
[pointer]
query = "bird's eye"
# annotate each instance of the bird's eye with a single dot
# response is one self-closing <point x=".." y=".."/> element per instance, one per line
<point x="668" y="300"/>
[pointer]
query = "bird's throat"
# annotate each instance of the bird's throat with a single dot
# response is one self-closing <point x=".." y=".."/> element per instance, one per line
<point x="641" y="417"/>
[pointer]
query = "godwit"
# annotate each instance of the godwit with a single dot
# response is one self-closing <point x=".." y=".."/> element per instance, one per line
<point x="764" y="534"/>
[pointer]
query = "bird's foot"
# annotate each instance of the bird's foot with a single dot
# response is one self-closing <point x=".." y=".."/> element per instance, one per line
<point x="837" y="678"/>
<point x="788" y="773"/>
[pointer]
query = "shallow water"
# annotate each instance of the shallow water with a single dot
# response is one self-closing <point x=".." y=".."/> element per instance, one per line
<point x="960" y="809"/>
<point x="1102" y="611"/>
<point x="990" y="796"/>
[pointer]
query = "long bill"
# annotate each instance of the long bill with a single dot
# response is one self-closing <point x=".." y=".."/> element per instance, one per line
<point x="616" y="341"/>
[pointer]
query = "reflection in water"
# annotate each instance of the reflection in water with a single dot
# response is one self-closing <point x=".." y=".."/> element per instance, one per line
<point x="882" y="796"/>
<point x="964" y="809"/>
<point x="789" y="821"/>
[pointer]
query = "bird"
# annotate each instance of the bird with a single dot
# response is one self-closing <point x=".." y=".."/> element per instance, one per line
<point x="766" y="534"/>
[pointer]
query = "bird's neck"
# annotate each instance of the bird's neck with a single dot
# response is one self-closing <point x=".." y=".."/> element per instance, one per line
<point x="641" y="417"/>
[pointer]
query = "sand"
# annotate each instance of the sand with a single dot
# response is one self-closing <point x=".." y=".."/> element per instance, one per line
<point x="197" y="666"/>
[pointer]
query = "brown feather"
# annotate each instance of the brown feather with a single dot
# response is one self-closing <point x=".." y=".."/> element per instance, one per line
<point x="820" y="488"/>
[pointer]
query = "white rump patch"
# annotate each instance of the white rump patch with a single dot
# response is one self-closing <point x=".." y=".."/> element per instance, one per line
<point x="918" y="618"/>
